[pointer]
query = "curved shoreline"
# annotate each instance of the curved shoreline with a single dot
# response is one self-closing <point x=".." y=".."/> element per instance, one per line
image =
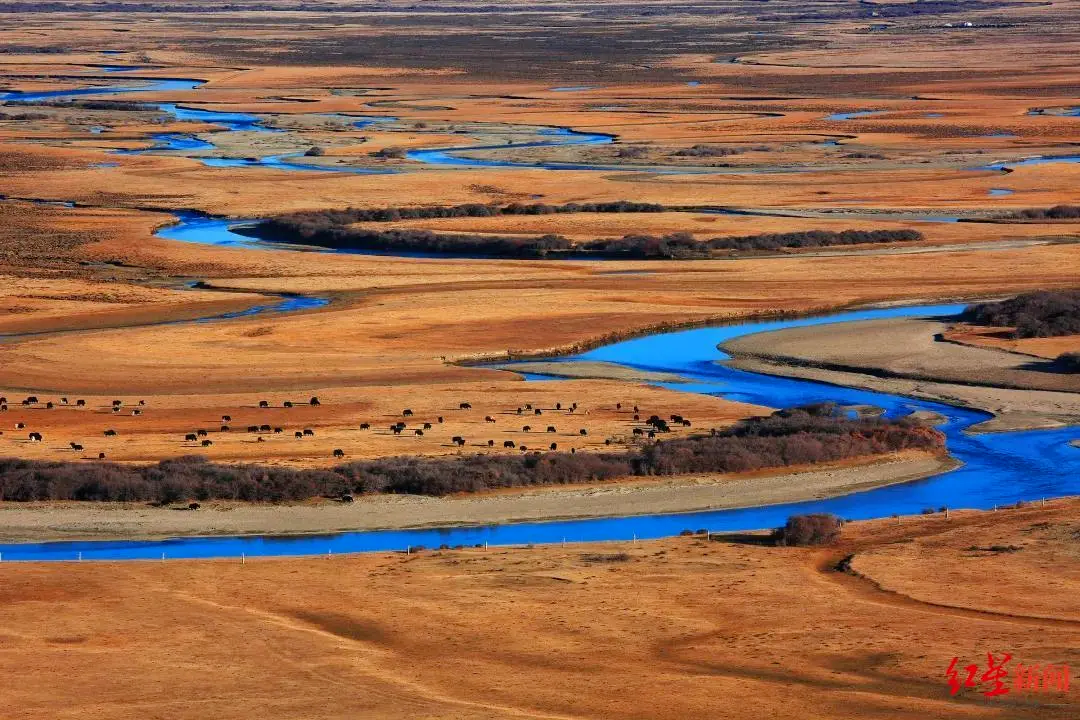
<point x="985" y="379"/>
<point x="51" y="522"/>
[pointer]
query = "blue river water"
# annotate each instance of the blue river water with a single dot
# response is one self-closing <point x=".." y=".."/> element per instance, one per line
<point x="853" y="115"/>
<point x="998" y="468"/>
<point x="245" y="122"/>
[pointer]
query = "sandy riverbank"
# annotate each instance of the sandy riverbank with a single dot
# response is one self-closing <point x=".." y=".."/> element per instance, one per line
<point x="901" y="357"/>
<point x="70" y="521"/>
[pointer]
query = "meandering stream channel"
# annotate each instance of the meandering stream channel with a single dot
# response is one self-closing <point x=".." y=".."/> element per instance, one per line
<point x="998" y="468"/>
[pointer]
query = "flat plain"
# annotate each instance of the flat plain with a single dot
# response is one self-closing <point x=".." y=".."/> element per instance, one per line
<point x="741" y="119"/>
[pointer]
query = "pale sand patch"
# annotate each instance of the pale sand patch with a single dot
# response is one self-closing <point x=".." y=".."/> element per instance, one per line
<point x="587" y="370"/>
<point x="901" y="356"/>
<point x="1012" y="409"/>
<point x="69" y="521"/>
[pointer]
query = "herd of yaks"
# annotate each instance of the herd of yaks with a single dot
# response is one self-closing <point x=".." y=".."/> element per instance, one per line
<point x="201" y="435"/>
<point x="36" y="437"/>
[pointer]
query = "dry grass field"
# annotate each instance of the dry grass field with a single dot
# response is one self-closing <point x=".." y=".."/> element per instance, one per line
<point x="668" y="629"/>
<point x="730" y="104"/>
<point x="939" y="117"/>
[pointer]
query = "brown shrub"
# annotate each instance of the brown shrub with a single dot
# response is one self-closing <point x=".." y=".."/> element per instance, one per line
<point x="808" y="530"/>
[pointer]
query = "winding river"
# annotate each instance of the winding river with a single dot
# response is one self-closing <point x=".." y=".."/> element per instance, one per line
<point x="998" y="468"/>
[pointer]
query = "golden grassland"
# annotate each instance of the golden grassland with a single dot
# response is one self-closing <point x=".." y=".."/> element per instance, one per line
<point x="945" y="104"/>
<point x="1000" y="339"/>
<point x="666" y="629"/>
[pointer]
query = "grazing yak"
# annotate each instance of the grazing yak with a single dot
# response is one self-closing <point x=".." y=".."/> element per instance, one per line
<point x="298" y="435"/>
<point x="538" y="411"/>
<point x="49" y="405"/>
<point x="201" y="433"/>
<point x="407" y="412"/>
<point x="488" y="418"/>
<point x="20" y="426"/>
<point x="464" y="406"/>
<point x="226" y="418"/>
<point x="509" y="444"/>
<point x="491" y="443"/>
<point x="279" y="430"/>
<point x="440" y="418"/>
<point x="32" y="400"/>
<point x="418" y="433"/>
<point x="253" y="428"/>
<point x="460" y="442"/>
<point x="225" y="428"/>
<point x="34" y="437"/>
<point x="136" y="411"/>
<point x="639" y="431"/>
<point x="309" y="431"/>
<point x="554" y="446"/>
<point x="314" y="402"/>
<point x="526" y="428"/>
<point x="558" y="406"/>
<point x="101" y="456"/>
<point x="264" y="403"/>
<point x="80" y="403"/>
<point x="207" y="443"/>
<point x="427" y="426"/>
<point x="396" y="429"/>
<point x="191" y="437"/>
<point x="110" y="433"/>
<point x="365" y="426"/>
<point x="287" y="404"/>
<point x="339" y="453"/>
<point x="117" y="403"/>
<point x="3" y="408"/>
<point x="116" y="409"/>
<point x="551" y="428"/>
<point x="75" y="446"/>
<point x="583" y="431"/>
<point x="264" y="428"/>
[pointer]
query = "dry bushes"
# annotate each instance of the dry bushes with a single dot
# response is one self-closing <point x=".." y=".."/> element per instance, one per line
<point x="1036" y="314"/>
<point x="798" y="436"/>
<point x="1058" y="212"/>
<point x="808" y="530"/>
<point x="335" y="229"/>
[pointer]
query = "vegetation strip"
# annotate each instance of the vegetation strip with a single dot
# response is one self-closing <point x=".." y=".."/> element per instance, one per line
<point x="1044" y="313"/>
<point x="800" y="436"/>
<point x="335" y="229"/>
